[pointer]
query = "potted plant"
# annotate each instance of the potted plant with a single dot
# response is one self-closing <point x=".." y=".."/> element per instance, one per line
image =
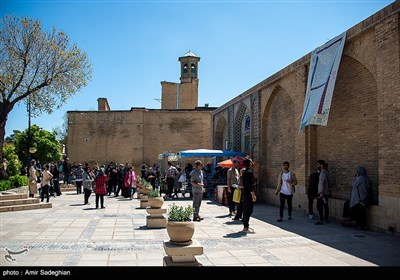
<point x="180" y="227"/>
<point x="155" y="200"/>
<point x="144" y="186"/>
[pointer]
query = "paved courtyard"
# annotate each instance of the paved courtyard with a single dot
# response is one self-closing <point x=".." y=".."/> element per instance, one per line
<point x="73" y="234"/>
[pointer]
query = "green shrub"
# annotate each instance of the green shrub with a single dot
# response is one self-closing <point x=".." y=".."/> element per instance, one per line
<point x="13" y="182"/>
<point x="18" y="181"/>
<point x="5" y="185"/>
<point x="154" y="193"/>
<point x="179" y="213"/>
<point x="13" y="163"/>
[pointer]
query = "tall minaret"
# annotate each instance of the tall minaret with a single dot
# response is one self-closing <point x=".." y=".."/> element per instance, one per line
<point x="183" y="95"/>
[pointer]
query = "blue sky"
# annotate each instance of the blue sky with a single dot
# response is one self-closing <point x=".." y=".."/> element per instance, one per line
<point x="134" y="45"/>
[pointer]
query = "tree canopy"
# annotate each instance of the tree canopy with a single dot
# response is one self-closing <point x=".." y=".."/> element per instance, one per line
<point x="14" y="164"/>
<point x="45" y="143"/>
<point x="37" y="66"/>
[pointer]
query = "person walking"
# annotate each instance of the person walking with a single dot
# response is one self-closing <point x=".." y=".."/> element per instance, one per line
<point x="79" y="178"/>
<point x="170" y="174"/>
<point x="87" y="184"/>
<point x="323" y="193"/>
<point x="177" y="183"/>
<point x="130" y="182"/>
<point x="56" y="179"/>
<point x="197" y="180"/>
<point x="100" y="188"/>
<point x="285" y="188"/>
<point x="239" y="206"/>
<point x="46" y="178"/>
<point x="33" y="189"/>
<point x="232" y="182"/>
<point x="248" y="196"/>
<point x="151" y="177"/>
<point x="66" y="169"/>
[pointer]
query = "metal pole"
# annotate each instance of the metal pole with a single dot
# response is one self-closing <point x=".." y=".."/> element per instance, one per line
<point x="29" y="132"/>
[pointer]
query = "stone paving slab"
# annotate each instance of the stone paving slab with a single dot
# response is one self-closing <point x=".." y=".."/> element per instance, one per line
<point x="73" y="234"/>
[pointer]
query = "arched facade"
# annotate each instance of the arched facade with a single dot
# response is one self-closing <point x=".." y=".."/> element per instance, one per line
<point x="363" y="126"/>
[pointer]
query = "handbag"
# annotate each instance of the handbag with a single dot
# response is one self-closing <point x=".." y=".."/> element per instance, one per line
<point x="237" y="195"/>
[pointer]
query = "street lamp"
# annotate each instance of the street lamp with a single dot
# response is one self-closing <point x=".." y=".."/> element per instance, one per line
<point x="30" y="148"/>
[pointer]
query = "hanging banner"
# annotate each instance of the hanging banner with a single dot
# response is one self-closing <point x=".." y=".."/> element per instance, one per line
<point x="324" y="66"/>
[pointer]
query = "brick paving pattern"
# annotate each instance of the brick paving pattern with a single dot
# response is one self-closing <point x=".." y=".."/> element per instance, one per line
<point x="73" y="234"/>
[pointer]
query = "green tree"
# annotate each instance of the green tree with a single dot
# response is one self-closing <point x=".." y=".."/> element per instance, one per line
<point x="13" y="163"/>
<point x="38" y="67"/>
<point x="45" y="142"/>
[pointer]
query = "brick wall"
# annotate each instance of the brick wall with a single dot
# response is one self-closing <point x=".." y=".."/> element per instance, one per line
<point x="187" y="93"/>
<point x="363" y="127"/>
<point x="135" y="136"/>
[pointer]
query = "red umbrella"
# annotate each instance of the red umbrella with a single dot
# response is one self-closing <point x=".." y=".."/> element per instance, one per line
<point x="229" y="162"/>
<point x="226" y="163"/>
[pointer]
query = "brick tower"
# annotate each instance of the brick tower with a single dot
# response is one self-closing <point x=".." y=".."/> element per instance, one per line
<point x="183" y="95"/>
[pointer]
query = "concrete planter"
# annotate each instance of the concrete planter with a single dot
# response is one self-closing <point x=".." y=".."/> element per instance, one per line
<point x="180" y="233"/>
<point x="156" y="202"/>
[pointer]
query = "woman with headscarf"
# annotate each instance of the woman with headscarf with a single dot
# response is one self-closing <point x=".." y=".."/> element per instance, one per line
<point x="87" y="184"/>
<point x="79" y="178"/>
<point x="359" y="197"/>
<point x="248" y="196"/>
<point x="33" y="189"/>
<point x="46" y="178"/>
<point x="100" y="187"/>
<point x="130" y="180"/>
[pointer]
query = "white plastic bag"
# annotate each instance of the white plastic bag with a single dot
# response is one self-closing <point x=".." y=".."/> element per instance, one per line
<point x="182" y="178"/>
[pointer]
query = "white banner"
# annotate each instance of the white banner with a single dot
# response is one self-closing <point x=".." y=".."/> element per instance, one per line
<point x="324" y="66"/>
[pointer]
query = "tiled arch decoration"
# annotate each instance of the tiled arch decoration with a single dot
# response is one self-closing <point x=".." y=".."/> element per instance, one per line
<point x="256" y="123"/>
<point x="230" y="127"/>
<point x="238" y="127"/>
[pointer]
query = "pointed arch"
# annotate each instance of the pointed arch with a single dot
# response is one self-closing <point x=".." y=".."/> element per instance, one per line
<point x="278" y="134"/>
<point x="221" y="133"/>
<point x="351" y="137"/>
<point x="193" y="68"/>
<point x="185" y="70"/>
<point x="238" y="127"/>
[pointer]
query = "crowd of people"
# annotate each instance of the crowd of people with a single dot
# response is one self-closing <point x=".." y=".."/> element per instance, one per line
<point x="114" y="179"/>
<point x="318" y="189"/>
<point x="120" y="179"/>
<point x="354" y="209"/>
